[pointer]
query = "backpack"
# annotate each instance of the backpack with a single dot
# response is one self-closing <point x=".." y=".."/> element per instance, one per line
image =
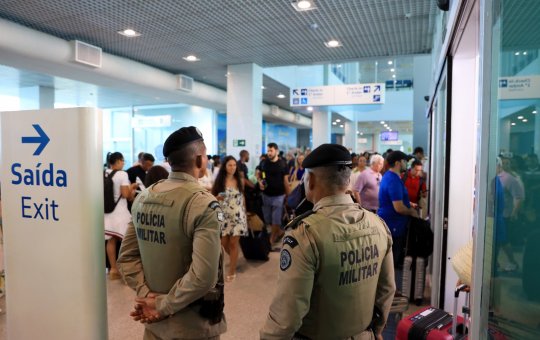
<point x="108" y="192"/>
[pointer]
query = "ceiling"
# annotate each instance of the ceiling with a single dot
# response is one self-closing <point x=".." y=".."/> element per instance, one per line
<point x="220" y="33"/>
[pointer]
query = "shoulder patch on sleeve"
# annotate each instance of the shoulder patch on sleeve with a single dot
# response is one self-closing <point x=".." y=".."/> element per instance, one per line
<point x="290" y="241"/>
<point x="285" y="260"/>
<point x="213" y="205"/>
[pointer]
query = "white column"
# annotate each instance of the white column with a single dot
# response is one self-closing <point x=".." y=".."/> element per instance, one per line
<point x="422" y="82"/>
<point x="244" y="115"/>
<point x="53" y="224"/>
<point x="350" y="135"/>
<point x="36" y="97"/>
<point x="537" y="130"/>
<point x="504" y="135"/>
<point x="321" y="124"/>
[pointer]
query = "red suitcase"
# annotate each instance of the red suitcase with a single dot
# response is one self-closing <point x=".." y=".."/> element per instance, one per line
<point x="431" y="323"/>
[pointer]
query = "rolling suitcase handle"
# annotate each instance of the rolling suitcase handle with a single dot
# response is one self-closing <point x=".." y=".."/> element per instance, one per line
<point x="466" y="311"/>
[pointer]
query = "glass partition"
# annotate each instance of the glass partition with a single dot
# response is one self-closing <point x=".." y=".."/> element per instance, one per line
<point x="512" y="244"/>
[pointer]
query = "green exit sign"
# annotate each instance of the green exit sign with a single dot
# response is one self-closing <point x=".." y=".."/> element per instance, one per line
<point x="239" y="142"/>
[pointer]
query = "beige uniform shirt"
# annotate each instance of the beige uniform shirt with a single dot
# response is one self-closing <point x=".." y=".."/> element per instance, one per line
<point x="173" y="248"/>
<point x="334" y="268"/>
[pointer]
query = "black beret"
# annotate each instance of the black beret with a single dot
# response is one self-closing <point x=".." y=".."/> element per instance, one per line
<point x="181" y="137"/>
<point x="395" y="156"/>
<point x="328" y="154"/>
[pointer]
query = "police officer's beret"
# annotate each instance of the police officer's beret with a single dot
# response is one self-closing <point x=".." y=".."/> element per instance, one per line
<point x="181" y="137"/>
<point x="328" y="154"/>
<point x="395" y="156"/>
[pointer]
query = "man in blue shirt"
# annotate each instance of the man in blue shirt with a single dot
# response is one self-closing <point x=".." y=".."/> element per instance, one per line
<point x="394" y="205"/>
<point x="395" y="209"/>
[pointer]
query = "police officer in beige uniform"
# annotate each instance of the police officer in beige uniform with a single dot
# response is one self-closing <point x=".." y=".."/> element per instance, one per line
<point x="171" y="254"/>
<point x="336" y="266"/>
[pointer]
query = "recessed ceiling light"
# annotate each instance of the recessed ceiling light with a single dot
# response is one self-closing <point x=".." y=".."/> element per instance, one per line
<point x="361" y="133"/>
<point x="525" y="53"/>
<point x="332" y="43"/>
<point x="338" y="120"/>
<point x="262" y="87"/>
<point x="281" y="96"/>
<point x="385" y="125"/>
<point x="382" y="122"/>
<point x="520" y="117"/>
<point x="334" y="123"/>
<point x="191" y="58"/>
<point x="525" y="120"/>
<point x="341" y="126"/>
<point x="389" y="129"/>
<point x="129" y="33"/>
<point x="310" y="108"/>
<point x="393" y="75"/>
<point x="339" y="65"/>
<point x="517" y="53"/>
<point x="392" y="70"/>
<point x="513" y="124"/>
<point x="534" y="112"/>
<point x="390" y="62"/>
<point x="357" y="132"/>
<point x="303" y="5"/>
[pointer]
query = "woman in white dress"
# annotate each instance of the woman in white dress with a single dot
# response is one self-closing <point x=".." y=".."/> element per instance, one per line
<point x="116" y="222"/>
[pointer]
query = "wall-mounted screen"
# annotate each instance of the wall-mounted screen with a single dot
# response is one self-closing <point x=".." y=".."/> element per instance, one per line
<point x="389" y="136"/>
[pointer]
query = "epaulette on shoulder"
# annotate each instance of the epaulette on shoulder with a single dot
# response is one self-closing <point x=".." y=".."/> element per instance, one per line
<point x="296" y="221"/>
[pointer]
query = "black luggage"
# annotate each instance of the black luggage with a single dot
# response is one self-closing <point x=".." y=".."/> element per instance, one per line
<point x="256" y="245"/>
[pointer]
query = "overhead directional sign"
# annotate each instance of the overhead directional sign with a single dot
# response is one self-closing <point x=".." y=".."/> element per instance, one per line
<point x="42" y="139"/>
<point x="371" y="93"/>
<point x="525" y="87"/>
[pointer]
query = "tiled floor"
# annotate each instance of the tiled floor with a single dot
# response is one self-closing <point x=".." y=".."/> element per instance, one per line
<point x="247" y="299"/>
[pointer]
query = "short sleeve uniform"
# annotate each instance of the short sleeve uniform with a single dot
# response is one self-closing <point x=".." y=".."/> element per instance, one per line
<point x="392" y="189"/>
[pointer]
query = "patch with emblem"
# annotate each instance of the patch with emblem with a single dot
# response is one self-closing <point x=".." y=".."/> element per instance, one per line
<point x="220" y="216"/>
<point x="285" y="260"/>
<point x="290" y="241"/>
<point x="213" y="205"/>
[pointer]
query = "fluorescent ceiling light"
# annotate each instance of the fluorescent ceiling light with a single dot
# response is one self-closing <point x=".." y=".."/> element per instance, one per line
<point x="281" y="96"/>
<point x="334" y="123"/>
<point x="534" y="112"/>
<point x="390" y="62"/>
<point x="361" y="133"/>
<point x="262" y="87"/>
<point x="393" y="75"/>
<point x="191" y="58"/>
<point x="525" y="53"/>
<point x="129" y="33"/>
<point x="338" y="120"/>
<point x="382" y="122"/>
<point x="357" y="131"/>
<point x="513" y="124"/>
<point x="332" y="43"/>
<point x="520" y="117"/>
<point x="392" y="70"/>
<point x="525" y="120"/>
<point x="341" y="126"/>
<point x="389" y="129"/>
<point x="310" y="108"/>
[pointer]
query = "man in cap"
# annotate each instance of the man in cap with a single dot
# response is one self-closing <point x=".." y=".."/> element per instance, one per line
<point x="395" y="209"/>
<point x="336" y="266"/>
<point x="171" y="255"/>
